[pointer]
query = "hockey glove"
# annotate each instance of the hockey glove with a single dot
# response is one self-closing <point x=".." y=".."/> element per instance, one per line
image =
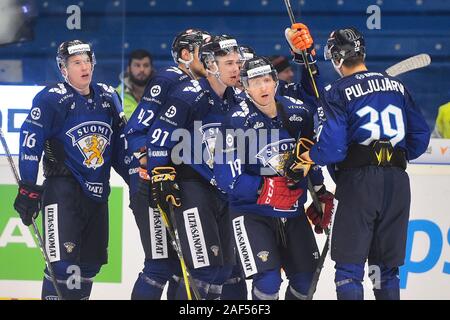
<point x="28" y="201"/>
<point x="164" y="188"/>
<point x="276" y="193"/>
<point x="296" y="168"/>
<point x="326" y="200"/>
<point x="298" y="37"/>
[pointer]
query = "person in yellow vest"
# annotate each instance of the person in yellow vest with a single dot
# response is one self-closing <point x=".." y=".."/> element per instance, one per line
<point x="442" y="127"/>
<point x="139" y="72"/>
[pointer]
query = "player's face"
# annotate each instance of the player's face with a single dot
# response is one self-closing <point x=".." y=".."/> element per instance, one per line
<point x="79" y="71"/>
<point x="262" y="90"/>
<point x="140" y="70"/>
<point x="229" y="67"/>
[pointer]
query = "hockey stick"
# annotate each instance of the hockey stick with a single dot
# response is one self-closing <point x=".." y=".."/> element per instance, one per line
<point x="303" y="52"/>
<point x="176" y="244"/>
<point x="316" y="201"/>
<point x="323" y="255"/>
<point x="412" y="63"/>
<point x="36" y="230"/>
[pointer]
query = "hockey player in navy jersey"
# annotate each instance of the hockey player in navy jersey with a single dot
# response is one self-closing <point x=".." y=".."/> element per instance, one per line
<point x="371" y="129"/>
<point x="77" y="126"/>
<point x="271" y="230"/>
<point x="160" y="262"/>
<point x="197" y="109"/>
<point x="235" y="288"/>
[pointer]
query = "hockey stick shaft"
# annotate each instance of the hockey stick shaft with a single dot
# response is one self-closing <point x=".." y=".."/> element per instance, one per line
<point x="178" y="251"/>
<point x="9" y="157"/>
<point x="316" y="275"/>
<point x="187" y="273"/>
<point x="35" y="228"/>
<point x="323" y="255"/>
<point x="176" y="244"/>
<point x="303" y="52"/>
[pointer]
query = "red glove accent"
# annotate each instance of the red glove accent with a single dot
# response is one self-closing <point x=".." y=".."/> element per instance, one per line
<point x="276" y="193"/>
<point x="301" y="39"/>
<point x="321" y="223"/>
<point x="144" y="174"/>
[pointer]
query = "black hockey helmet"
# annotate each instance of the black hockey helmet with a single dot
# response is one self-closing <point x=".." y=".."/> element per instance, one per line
<point x="257" y="67"/>
<point x="73" y="47"/>
<point x="218" y="46"/>
<point x="246" y="52"/>
<point x="345" y="43"/>
<point x="188" y="39"/>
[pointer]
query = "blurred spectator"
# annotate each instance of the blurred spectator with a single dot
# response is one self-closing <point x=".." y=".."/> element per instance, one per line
<point x="283" y="67"/>
<point x="442" y="128"/>
<point x="138" y="73"/>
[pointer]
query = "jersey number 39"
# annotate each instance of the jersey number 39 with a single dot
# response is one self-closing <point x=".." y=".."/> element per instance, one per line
<point x="395" y="132"/>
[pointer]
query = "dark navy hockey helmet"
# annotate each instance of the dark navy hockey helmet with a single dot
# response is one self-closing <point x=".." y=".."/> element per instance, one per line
<point x="218" y="46"/>
<point x="246" y="52"/>
<point x="73" y="47"/>
<point x="345" y="43"/>
<point x="257" y="67"/>
<point x="188" y="39"/>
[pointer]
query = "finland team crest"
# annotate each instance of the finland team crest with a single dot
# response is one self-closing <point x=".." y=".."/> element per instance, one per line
<point x="209" y="135"/>
<point x="91" y="138"/>
<point x="273" y="155"/>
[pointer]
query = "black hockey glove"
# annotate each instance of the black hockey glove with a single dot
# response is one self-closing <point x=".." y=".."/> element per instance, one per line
<point x="295" y="168"/>
<point x="28" y="201"/>
<point x="164" y="188"/>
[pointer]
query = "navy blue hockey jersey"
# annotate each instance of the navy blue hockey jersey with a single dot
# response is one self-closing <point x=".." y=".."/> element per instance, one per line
<point x="155" y="96"/>
<point x="255" y="146"/>
<point x="85" y="132"/>
<point x="193" y="115"/>
<point x="364" y="107"/>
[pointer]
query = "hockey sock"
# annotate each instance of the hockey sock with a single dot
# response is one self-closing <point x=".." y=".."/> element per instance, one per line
<point x="172" y="287"/>
<point x="235" y="288"/>
<point x="215" y="290"/>
<point x="348" y="280"/>
<point x="74" y="282"/>
<point x="151" y="281"/>
<point x="203" y="278"/>
<point x="388" y="287"/>
<point x="299" y="285"/>
<point x="266" y="285"/>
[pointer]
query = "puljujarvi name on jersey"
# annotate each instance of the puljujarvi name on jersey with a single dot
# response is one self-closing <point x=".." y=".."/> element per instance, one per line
<point x="373" y="85"/>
